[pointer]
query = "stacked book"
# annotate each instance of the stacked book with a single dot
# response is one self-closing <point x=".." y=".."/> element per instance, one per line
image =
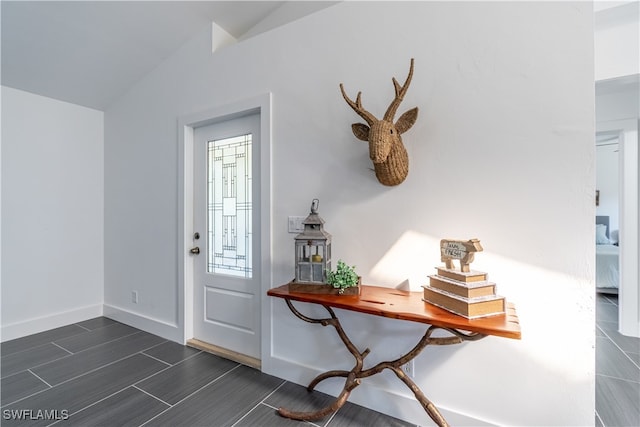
<point x="468" y="294"/>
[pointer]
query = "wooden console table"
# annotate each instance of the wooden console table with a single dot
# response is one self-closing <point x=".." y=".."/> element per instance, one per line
<point x="394" y="304"/>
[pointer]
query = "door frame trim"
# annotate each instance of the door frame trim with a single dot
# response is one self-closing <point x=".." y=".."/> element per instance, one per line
<point x="628" y="223"/>
<point x="186" y="125"/>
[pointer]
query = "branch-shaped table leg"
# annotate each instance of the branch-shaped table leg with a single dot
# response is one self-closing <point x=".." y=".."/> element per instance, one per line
<point x="354" y="376"/>
<point x="351" y="383"/>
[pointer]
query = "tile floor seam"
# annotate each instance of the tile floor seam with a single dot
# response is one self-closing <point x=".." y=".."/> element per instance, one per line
<point x="155" y="416"/>
<point x="618" y="378"/>
<point x="84" y="327"/>
<point x="96" y="402"/>
<point x="41" y="364"/>
<point x="166" y="368"/>
<point x="106" y="342"/>
<point x="62" y="348"/>
<point x="164" y="341"/>
<point x="332" y="416"/>
<point x="134" y="384"/>
<point x="40" y="378"/>
<point x="16" y="373"/>
<point x="155" y="358"/>
<point x="179" y="361"/>
<point x="599" y="418"/>
<point x="632" y="361"/>
<point x="163" y="370"/>
<point x="100" y="367"/>
<point x="110" y="323"/>
<point x="76" y="377"/>
<point x="31" y="349"/>
<point x="191" y="394"/>
<point x="275" y="409"/>
<point x="4" y="343"/>
<point x="619" y="348"/>
<point x="246" y="414"/>
<point x="151" y="395"/>
<point x="274" y="390"/>
<point x="258" y="403"/>
<point x="30" y="395"/>
<point x="615" y="382"/>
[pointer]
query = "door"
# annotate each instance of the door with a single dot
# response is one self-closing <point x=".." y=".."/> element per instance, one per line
<point x="227" y="222"/>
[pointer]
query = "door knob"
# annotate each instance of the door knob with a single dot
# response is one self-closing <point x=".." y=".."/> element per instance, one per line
<point x="195" y="250"/>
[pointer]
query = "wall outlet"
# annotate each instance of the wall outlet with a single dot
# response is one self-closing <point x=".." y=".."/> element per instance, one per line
<point x="295" y="224"/>
<point x="409" y="369"/>
<point x="134" y="297"/>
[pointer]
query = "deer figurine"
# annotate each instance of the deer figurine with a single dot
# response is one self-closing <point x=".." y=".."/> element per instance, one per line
<point x="390" y="159"/>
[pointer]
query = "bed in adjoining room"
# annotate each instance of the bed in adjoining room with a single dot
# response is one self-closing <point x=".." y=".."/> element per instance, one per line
<point x="607" y="258"/>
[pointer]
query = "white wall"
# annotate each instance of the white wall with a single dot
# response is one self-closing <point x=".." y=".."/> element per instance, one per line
<point x="617" y="39"/>
<point x="52" y="213"/>
<point x="608" y="183"/>
<point x="503" y="150"/>
<point x="618" y="99"/>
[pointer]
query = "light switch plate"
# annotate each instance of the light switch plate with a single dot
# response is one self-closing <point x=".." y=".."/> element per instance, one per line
<point x="295" y="224"/>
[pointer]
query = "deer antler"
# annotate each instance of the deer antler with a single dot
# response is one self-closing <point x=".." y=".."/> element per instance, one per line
<point x="357" y="107"/>
<point x="400" y="92"/>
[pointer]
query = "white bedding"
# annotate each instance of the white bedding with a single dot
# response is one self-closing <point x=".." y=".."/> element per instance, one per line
<point x="607" y="272"/>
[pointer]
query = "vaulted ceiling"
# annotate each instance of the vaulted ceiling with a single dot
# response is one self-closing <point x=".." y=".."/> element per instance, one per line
<point x="91" y="52"/>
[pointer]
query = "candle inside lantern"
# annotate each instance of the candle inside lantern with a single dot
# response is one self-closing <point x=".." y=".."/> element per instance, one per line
<point x="313" y="250"/>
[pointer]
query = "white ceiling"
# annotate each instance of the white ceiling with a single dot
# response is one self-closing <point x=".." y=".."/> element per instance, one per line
<point x="610" y="14"/>
<point x="91" y="52"/>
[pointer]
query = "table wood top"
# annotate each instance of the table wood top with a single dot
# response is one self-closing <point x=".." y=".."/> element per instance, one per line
<point x="405" y="305"/>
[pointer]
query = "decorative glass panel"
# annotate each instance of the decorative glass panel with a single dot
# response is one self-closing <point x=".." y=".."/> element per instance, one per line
<point x="229" y="233"/>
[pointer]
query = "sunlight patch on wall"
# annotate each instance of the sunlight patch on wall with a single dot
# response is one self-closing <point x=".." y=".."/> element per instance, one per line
<point x="408" y="262"/>
<point x="553" y="307"/>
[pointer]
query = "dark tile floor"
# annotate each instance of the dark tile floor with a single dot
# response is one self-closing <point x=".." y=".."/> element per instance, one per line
<point x="103" y="373"/>
<point x="617" y="369"/>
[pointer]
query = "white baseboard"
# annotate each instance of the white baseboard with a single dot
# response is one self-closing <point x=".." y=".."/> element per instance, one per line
<point x="166" y="330"/>
<point x="33" y="326"/>
<point x="404" y="407"/>
<point x="44" y="323"/>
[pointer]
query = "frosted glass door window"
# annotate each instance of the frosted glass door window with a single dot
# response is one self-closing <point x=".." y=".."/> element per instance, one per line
<point x="229" y="179"/>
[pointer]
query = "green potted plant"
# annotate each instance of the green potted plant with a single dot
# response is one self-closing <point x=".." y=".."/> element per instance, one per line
<point x="343" y="278"/>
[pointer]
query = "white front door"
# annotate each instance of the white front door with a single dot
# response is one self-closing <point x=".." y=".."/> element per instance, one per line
<point x="227" y="292"/>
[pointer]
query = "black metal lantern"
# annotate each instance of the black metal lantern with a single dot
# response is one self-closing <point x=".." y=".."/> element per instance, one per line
<point x="313" y="250"/>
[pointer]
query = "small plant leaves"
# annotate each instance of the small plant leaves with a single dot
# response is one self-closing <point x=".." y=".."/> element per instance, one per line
<point x="343" y="277"/>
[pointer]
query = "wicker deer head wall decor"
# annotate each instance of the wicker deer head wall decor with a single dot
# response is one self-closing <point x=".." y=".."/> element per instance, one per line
<point x="390" y="159"/>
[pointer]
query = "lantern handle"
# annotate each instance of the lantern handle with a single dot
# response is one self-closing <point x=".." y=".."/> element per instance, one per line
<point x="314" y="206"/>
